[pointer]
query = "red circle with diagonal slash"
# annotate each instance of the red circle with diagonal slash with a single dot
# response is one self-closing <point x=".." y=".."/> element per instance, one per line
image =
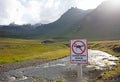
<point x="82" y="50"/>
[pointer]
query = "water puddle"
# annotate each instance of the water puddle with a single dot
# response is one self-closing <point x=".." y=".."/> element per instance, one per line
<point x="99" y="59"/>
<point x="16" y="78"/>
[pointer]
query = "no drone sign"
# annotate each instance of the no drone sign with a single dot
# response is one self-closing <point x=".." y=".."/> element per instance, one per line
<point x="78" y="51"/>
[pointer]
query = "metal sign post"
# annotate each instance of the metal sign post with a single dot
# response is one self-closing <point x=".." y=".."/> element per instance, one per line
<point x="79" y="73"/>
<point x="79" y="55"/>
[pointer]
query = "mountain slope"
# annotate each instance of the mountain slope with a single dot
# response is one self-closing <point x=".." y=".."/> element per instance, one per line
<point x="16" y="31"/>
<point x="101" y="23"/>
<point x="64" y="23"/>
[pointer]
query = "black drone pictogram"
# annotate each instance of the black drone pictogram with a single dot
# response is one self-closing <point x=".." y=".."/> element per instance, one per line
<point x="78" y="47"/>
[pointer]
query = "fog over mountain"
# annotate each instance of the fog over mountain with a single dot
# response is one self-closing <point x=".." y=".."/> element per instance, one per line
<point x="102" y="23"/>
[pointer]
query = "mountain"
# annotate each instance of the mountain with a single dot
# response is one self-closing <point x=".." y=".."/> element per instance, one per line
<point x="61" y="26"/>
<point x="102" y="23"/>
<point x="54" y="29"/>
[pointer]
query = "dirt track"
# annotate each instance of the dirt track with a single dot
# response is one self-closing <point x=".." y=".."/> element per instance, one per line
<point x="50" y="71"/>
<point x="17" y="65"/>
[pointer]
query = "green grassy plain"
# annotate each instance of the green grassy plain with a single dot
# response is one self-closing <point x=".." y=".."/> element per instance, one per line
<point x="15" y="50"/>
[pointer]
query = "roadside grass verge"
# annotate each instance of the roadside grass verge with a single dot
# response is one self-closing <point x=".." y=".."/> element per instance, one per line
<point x="15" y="50"/>
<point x="111" y="47"/>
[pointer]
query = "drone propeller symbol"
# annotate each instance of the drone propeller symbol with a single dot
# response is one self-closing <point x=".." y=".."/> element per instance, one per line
<point x="79" y="46"/>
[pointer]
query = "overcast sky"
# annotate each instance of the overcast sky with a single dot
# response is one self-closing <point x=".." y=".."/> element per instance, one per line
<point x="39" y="11"/>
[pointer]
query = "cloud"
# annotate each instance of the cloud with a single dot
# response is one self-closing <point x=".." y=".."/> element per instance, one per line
<point x="33" y="11"/>
<point x="86" y="4"/>
<point x="10" y="10"/>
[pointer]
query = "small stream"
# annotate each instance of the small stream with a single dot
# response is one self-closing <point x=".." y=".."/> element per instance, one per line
<point x="62" y="69"/>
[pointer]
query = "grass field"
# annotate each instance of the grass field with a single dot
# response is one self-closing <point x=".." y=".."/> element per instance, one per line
<point x="15" y="50"/>
<point x="111" y="47"/>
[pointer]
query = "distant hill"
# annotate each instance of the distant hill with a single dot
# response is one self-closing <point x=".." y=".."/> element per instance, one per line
<point x="16" y="31"/>
<point x="102" y="23"/>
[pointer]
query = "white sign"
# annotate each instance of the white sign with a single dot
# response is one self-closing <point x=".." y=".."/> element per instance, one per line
<point x="79" y="51"/>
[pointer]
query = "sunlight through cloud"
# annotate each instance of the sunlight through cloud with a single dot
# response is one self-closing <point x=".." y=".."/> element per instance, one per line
<point x="39" y="11"/>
